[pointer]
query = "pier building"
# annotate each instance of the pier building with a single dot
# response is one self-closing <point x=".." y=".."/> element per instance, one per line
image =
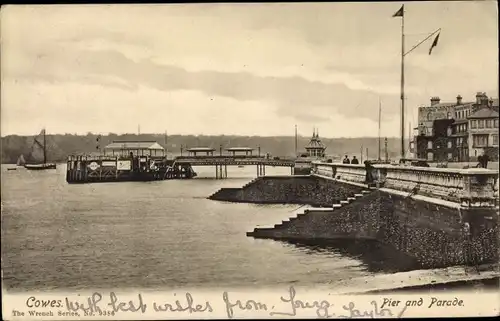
<point x="246" y="151"/>
<point x="137" y="148"/>
<point x="205" y="151"/>
<point x="315" y="150"/>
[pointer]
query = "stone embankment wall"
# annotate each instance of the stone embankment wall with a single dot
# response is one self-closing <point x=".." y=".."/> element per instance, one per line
<point x="308" y="190"/>
<point x="433" y="234"/>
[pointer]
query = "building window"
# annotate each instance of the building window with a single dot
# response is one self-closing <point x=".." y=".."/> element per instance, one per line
<point x="450" y="156"/>
<point x="495" y="139"/>
<point x="473" y="124"/>
<point x="449" y="144"/>
<point x="495" y="123"/>
<point x="449" y="131"/>
<point x="480" y="123"/>
<point x="429" y="145"/>
<point x="430" y="156"/>
<point x="480" y="140"/>
<point x="489" y="123"/>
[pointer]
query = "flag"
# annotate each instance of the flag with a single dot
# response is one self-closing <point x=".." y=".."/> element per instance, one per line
<point x="400" y="12"/>
<point x="434" y="43"/>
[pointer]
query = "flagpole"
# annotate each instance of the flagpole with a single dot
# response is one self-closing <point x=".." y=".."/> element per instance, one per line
<point x="403" y="84"/>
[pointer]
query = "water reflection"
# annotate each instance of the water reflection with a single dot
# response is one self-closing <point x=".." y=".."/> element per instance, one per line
<point x="375" y="257"/>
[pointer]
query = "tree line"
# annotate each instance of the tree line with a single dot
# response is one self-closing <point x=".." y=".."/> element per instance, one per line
<point x="59" y="146"/>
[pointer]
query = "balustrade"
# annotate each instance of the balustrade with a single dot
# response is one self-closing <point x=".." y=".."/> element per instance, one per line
<point x="470" y="187"/>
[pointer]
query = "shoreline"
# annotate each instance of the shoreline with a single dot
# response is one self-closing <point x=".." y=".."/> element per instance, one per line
<point x="487" y="284"/>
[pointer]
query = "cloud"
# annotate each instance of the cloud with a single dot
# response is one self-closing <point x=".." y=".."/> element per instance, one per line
<point x="326" y="63"/>
<point x="292" y="95"/>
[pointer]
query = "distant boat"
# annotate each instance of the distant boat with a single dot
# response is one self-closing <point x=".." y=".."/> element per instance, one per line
<point x="11" y="169"/>
<point x="241" y="166"/>
<point x="44" y="165"/>
<point x="21" y="161"/>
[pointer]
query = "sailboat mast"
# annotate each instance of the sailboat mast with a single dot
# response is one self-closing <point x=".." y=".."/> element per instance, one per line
<point x="44" y="148"/>
<point x="379" y="118"/>
<point x="295" y="140"/>
<point x="166" y="141"/>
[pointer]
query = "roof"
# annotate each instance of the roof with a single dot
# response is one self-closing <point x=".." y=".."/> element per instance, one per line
<point x="201" y="149"/>
<point x="239" y="149"/>
<point x="485" y="112"/>
<point x="127" y="145"/>
<point x="315" y="143"/>
<point x="460" y="121"/>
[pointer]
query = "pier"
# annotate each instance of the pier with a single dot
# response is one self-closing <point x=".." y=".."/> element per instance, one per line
<point x="146" y="161"/>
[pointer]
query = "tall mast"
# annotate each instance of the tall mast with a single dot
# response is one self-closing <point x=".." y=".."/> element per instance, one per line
<point x="295" y="140"/>
<point x="166" y="148"/>
<point x="409" y="138"/>
<point x="403" y="83"/>
<point x="379" y="117"/>
<point x="44" y="148"/>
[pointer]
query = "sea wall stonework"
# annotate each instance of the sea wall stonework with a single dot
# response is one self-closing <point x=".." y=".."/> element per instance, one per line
<point x="433" y="234"/>
<point x="436" y="235"/>
<point x="289" y="190"/>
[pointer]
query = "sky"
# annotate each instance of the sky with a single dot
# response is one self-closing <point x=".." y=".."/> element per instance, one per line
<point x="238" y="69"/>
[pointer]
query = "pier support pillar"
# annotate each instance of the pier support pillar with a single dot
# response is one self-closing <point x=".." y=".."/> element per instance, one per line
<point x="225" y="171"/>
<point x="216" y="171"/>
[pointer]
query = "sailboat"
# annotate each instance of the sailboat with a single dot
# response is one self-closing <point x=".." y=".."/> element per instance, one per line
<point x="44" y="165"/>
<point x="20" y="160"/>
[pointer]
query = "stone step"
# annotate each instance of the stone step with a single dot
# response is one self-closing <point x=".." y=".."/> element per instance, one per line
<point x="337" y="205"/>
<point x="365" y="192"/>
<point x="351" y="198"/>
<point x="358" y="195"/>
<point x="344" y="202"/>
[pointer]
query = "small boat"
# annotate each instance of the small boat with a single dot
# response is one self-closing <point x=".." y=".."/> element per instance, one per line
<point x="20" y="160"/>
<point x="40" y="166"/>
<point x="44" y="165"/>
<point x="11" y="169"/>
<point x="241" y="166"/>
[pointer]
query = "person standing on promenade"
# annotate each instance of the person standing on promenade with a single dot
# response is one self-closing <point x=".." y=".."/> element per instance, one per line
<point x="346" y="160"/>
<point x="486" y="159"/>
<point x="354" y="160"/>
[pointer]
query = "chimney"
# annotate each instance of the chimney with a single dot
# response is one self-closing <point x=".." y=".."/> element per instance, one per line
<point x="435" y="100"/>
<point x="484" y="100"/>
<point x="479" y="95"/>
<point x="459" y="100"/>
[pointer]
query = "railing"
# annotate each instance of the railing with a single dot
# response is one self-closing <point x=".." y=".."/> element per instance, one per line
<point x="470" y="187"/>
<point x="355" y="173"/>
<point x="208" y="161"/>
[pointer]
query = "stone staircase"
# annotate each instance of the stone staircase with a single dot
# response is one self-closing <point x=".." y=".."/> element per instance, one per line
<point x="267" y="232"/>
<point x="224" y="190"/>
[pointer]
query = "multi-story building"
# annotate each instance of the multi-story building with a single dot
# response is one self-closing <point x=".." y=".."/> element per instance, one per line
<point x="483" y="131"/>
<point x="445" y="130"/>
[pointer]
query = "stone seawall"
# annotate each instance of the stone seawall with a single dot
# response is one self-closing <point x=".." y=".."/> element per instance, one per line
<point x="308" y="190"/>
<point x="431" y="232"/>
<point x="435" y="234"/>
